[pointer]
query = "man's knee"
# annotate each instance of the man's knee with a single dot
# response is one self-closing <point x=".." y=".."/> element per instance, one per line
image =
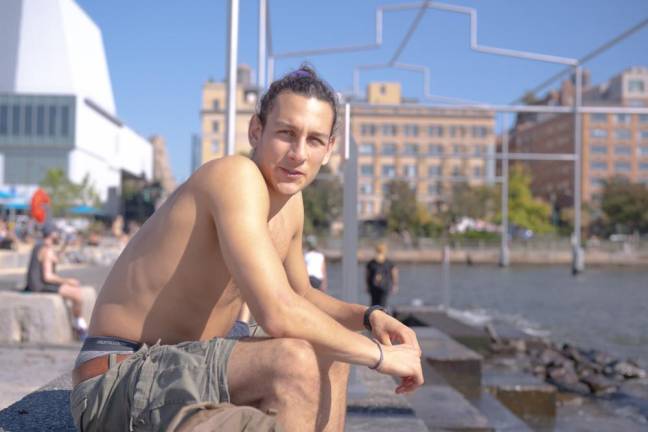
<point x="297" y="366"/>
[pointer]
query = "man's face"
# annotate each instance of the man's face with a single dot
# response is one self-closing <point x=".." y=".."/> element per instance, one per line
<point x="294" y="143"/>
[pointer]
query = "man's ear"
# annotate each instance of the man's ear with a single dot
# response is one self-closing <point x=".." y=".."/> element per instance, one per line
<point x="255" y="130"/>
<point x="329" y="150"/>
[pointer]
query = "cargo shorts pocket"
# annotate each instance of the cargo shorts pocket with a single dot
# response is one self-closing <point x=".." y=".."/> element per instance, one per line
<point x="78" y="406"/>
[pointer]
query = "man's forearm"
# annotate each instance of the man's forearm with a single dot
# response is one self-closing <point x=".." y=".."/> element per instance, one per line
<point x="349" y="315"/>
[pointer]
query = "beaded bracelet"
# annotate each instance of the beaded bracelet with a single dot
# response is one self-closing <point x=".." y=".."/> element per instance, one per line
<point x="380" y="360"/>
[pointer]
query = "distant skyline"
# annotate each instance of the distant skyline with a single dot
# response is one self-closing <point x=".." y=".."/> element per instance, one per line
<point x="161" y="53"/>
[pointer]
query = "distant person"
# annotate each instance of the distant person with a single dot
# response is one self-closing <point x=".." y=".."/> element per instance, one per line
<point x="42" y="277"/>
<point x="315" y="264"/>
<point x="7" y="237"/>
<point x="382" y="277"/>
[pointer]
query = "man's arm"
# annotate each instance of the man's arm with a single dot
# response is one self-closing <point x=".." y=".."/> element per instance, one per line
<point x="49" y="276"/>
<point x="252" y="259"/>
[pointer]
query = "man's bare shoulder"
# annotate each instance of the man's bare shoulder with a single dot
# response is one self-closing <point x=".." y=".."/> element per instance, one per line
<point x="228" y="179"/>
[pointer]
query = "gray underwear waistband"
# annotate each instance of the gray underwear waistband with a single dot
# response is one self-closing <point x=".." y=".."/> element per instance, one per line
<point x="97" y="346"/>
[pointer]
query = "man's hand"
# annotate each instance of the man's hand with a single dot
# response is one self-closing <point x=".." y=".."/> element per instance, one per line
<point x="403" y="361"/>
<point x="390" y="331"/>
<point x="400" y="346"/>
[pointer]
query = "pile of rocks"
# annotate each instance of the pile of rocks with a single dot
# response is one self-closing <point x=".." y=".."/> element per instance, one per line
<point x="586" y="372"/>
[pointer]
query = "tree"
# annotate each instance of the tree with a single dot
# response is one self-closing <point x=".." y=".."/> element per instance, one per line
<point x="525" y="210"/>
<point x="322" y="202"/>
<point x="65" y="193"/>
<point x="625" y="206"/>
<point x="405" y="215"/>
<point x="478" y="202"/>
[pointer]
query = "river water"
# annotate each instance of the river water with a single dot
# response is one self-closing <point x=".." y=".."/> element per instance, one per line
<point x="602" y="308"/>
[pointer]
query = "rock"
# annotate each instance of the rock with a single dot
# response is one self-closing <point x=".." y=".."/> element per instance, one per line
<point x="598" y="384"/>
<point x="35" y="317"/>
<point x="629" y="369"/>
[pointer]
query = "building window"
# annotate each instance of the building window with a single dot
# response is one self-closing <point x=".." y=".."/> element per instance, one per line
<point x="370" y="207"/>
<point x="622" y="134"/>
<point x="622" y="118"/>
<point x="383" y="90"/>
<point x="598" y="149"/>
<point x="434" y="170"/>
<point x="40" y="120"/>
<point x="215" y="146"/>
<point x="389" y="129"/>
<point x="479" y="131"/>
<point x="596" y="182"/>
<point x="367" y="129"/>
<point x="388" y="149"/>
<point x="15" y="120"/>
<point x="598" y="133"/>
<point x="623" y="150"/>
<point x="477" y="171"/>
<point x="28" y="120"/>
<point x="409" y="171"/>
<point x="643" y="166"/>
<point x="457" y="149"/>
<point x="216" y="104"/>
<point x="456" y="171"/>
<point x="366" y="170"/>
<point x="643" y="151"/>
<point x="215" y="126"/>
<point x="435" y="131"/>
<point x="389" y="171"/>
<point x="453" y="131"/>
<point x="65" y="121"/>
<point x="366" y="188"/>
<point x="411" y="130"/>
<point x="435" y="149"/>
<point x="598" y="118"/>
<point x="51" y="126"/>
<point x="621" y="166"/>
<point x="643" y="135"/>
<point x="4" y="119"/>
<point x="598" y="166"/>
<point x="636" y="86"/>
<point x="643" y="118"/>
<point x="367" y="148"/>
<point x="411" y="149"/>
<point x="478" y="150"/>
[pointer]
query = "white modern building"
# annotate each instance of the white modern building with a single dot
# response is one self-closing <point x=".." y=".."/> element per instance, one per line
<point x="56" y="102"/>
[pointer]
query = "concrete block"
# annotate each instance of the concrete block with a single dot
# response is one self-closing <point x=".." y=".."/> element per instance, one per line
<point x="474" y="338"/>
<point x="35" y="317"/>
<point x="499" y="417"/>
<point x="524" y="395"/>
<point x="454" y="363"/>
<point x="443" y="408"/>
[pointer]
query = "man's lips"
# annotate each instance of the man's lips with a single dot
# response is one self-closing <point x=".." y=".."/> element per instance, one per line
<point x="292" y="173"/>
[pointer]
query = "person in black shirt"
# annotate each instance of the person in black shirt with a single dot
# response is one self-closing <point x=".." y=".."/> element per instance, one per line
<point x="382" y="276"/>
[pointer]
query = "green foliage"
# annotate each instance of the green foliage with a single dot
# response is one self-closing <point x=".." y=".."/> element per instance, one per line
<point x="322" y="202"/>
<point x="476" y="235"/>
<point x="65" y="193"/>
<point x="625" y="206"/>
<point x="406" y="215"/>
<point x="480" y="202"/>
<point x="525" y="210"/>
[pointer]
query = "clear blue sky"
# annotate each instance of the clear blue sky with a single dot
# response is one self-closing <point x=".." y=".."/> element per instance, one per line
<point x="161" y="52"/>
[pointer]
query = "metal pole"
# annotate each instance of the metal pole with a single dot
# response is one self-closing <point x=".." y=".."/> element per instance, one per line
<point x="261" y="63"/>
<point x="578" y="261"/>
<point x="231" y="75"/>
<point x="271" y="64"/>
<point x="504" y="249"/>
<point x="350" y="212"/>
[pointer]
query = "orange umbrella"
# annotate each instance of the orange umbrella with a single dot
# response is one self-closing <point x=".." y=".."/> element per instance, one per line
<point x="39" y="205"/>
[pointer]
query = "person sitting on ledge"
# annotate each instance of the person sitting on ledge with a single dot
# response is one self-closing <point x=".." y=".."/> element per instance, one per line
<point x="232" y="234"/>
<point x="42" y="277"/>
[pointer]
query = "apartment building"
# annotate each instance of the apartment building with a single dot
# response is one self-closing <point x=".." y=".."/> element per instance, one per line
<point x="613" y="144"/>
<point x="431" y="148"/>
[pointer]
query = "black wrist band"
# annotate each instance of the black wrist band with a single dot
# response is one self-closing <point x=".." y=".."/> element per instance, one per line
<point x="380" y="360"/>
<point x="368" y="312"/>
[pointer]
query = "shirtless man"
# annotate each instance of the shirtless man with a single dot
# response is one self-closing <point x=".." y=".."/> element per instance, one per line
<point x="232" y="233"/>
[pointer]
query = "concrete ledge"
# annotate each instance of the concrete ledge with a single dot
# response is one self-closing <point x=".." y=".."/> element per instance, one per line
<point x="457" y="365"/>
<point x="443" y="408"/>
<point x="523" y="394"/>
<point x="35" y="317"/>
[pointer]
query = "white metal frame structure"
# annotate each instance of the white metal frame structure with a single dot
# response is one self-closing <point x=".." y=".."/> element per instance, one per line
<point x="573" y="65"/>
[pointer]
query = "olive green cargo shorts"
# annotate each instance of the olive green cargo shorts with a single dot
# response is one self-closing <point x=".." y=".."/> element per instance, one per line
<point x="145" y="391"/>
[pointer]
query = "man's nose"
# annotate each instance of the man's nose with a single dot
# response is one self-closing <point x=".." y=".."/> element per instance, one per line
<point x="298" y="150"/>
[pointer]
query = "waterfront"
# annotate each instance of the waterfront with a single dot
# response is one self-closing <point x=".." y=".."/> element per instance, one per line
<point x="603" y="308"/>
